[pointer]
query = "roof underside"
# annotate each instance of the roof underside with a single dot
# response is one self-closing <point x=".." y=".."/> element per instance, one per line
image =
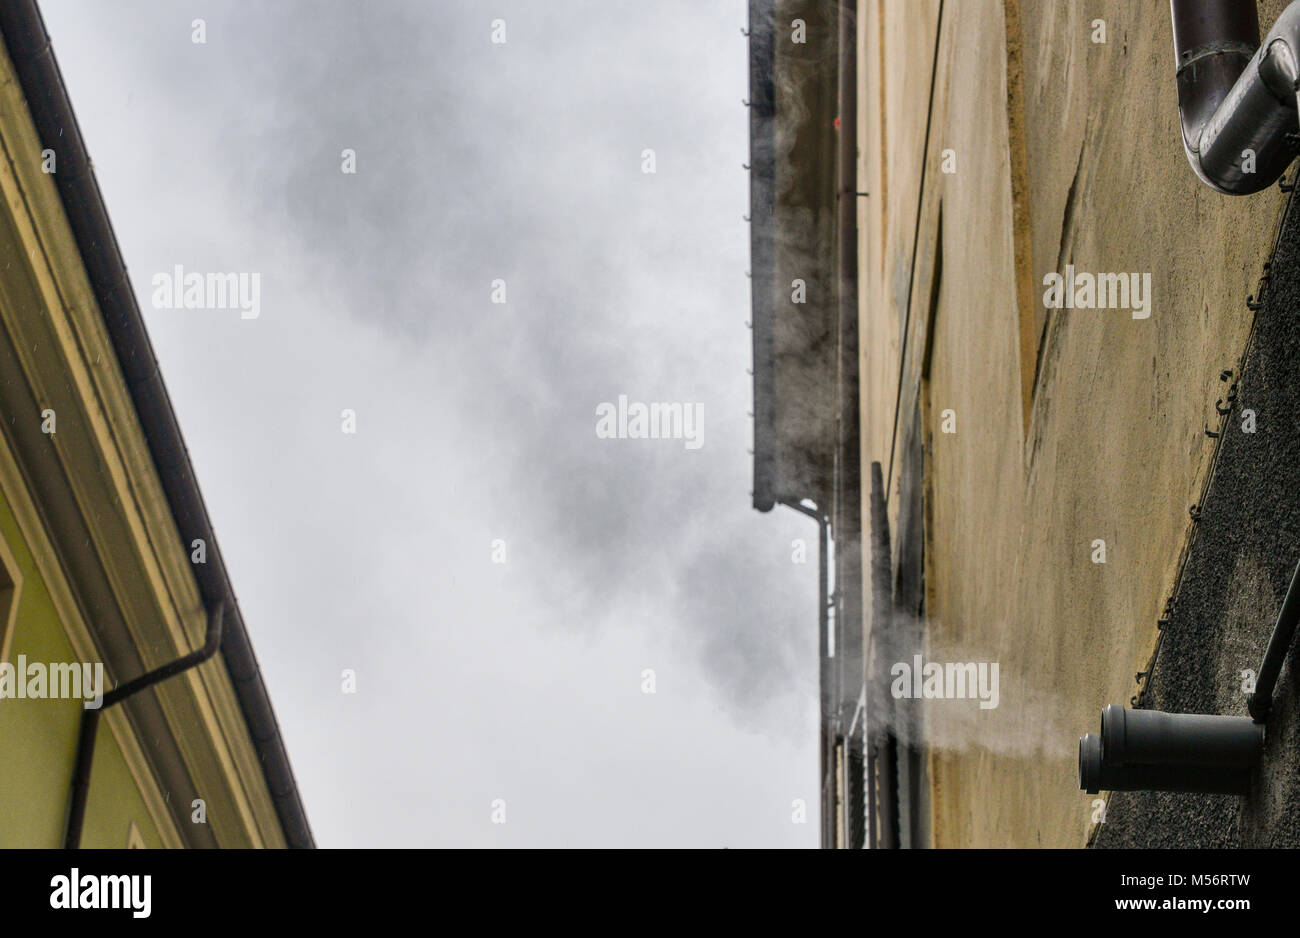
<point x="792" y="215"/>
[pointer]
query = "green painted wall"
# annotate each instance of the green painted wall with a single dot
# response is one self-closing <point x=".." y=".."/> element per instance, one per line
<point x="38" y="738"/>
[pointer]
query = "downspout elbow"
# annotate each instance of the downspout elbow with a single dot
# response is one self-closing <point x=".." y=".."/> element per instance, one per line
<point x="1236" y="96"/>
<point x="90" y="719"/>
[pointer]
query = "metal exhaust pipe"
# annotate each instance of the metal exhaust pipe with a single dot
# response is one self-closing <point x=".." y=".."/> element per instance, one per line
<point x="1095" y="774"/>
<point x="1236" y="96"/>
<point x="1147" y="750"/>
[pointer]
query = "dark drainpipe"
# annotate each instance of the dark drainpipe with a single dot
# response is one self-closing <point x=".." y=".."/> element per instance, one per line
<point x="90" y="720"/>
<point x="1261" y="701"/>
<point x="1236" y="96"/>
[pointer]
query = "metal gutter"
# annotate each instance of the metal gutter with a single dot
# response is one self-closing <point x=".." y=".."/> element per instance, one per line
<point x="29" y="47"/>
<point x="1236" y="97"/>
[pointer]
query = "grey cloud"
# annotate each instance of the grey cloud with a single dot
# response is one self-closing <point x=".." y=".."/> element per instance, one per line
<point x="476" y="420"/>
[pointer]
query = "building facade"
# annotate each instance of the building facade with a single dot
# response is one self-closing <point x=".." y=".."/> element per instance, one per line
<point x="108" y="567"/>
<point x="1059" y="376"/>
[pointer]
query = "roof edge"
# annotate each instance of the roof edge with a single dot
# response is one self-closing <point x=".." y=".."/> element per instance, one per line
<point x="762" y="240"/>
<point x="29" y="47"/>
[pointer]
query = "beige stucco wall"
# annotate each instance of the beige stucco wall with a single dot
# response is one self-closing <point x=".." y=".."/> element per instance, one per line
<point x="1112" y="446"/>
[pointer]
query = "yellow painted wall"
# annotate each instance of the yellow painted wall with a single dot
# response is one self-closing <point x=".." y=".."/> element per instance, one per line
<point x="38" y="738"/>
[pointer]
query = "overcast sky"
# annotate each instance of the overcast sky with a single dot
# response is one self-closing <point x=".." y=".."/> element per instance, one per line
<point x="475" y="422"/>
